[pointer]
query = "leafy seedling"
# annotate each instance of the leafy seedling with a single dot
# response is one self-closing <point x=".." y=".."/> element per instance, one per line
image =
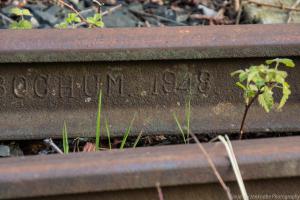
<point x="258" y="82"/>
<point x="127" y="132"/>
<point x="98" y="123"/>
<point x="71" y="20"/>
<point x="22" y="23"/>
<point x="95" y="21"/>
<point x="65" y="139"/>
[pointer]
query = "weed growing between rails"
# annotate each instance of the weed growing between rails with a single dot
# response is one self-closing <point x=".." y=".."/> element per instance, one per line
<point x="98" y="135"/>
<point x="258" y="82"/>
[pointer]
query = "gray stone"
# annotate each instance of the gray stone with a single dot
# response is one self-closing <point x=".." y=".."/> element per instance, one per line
<point x="4" y="151"/>
<point x="268" y="15"/>
<point x="120" y="18"/>
<point x="46" y="17"/>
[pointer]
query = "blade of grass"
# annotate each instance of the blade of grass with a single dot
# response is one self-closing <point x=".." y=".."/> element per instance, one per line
<point x="108" y="133"/>
<point x="65" y="139"/>
<point x="127" y="133"/>
<point x="137" y="139"/>
<point x="98" y="126"/>
<point x="234" y="165"/>
<point x="188" y="116"/>
<point x="179" y="127"/>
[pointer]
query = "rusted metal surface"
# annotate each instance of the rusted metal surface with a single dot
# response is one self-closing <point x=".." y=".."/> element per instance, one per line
<point x="36" y="98"/>
<point x="130" y="171"/>
<point x="149" y="43"/>
<point x="143" y="71"/>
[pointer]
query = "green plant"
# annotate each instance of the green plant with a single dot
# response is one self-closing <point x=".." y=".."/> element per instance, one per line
<point x="125" y="136"/>
<point x="71" y="20"/>
<point x="65" y="139"/>
<point x="22" y="23"/>
<point x="258" y="82"/>
<point x="98" y="126"/>
<point x="108" y="133"/>
<point x="95" y="21"/>
<point x="185" y="134"/>
<point x="137" y="140"/>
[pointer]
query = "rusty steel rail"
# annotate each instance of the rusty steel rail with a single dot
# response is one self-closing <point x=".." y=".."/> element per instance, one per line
<point x="268" y="166"/>
<point x="48" y="76"/>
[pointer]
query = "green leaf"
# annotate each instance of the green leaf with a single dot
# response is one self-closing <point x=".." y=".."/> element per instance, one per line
<point x="287" y="62"/>
<point x="20" y="12"/>
<point x="236" y="72"/>
<point x="22" y="24"/>
<point x="285" y="94"/>
<point x="25" y="24"/>
<point x="62" y="25"/>
<point x="98" y="122"/>
<point x="266" y="99"/>
<point x="179" y="127"/>
<point x="241" y="85"/>
<point x="26" y="12"/>
<point x="16" y="11"/>
<point x="96" y="20"/>
<point x="243" y="76"/>
<point x="65" y="139"/>
<point x="127" y="133"/>
<point x="72" y="18"/>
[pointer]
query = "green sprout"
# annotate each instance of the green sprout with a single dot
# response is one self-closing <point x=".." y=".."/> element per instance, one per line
<point x="98" y="126"/>
<point x="258" y="82"/>
<point x="108" y="133"/>
<point x="65" y="139"/>
<point x="71" y="20"/>
<point x="22" y="23"/>
<point x="95" y="21"/>
<point x="127" y="133"/>
<point x="185" y="134"/>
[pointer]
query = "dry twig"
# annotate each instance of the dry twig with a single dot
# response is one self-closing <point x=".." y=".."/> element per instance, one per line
<point x="237" y="5"/>
<point x="213" y="167"/>
<point x="295" y="5"/>
<point x="272" y="5"/>
<point x="159" y="191"/>
<point x="73" y="9"/>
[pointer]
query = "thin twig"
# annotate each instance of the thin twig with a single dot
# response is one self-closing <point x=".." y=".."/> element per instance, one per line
<point x="295" y="5"/>
<point x="110" y="10"/>
<point x="239" y="14"/>
<point x="213" y="167"/>
<point x="50" y="142"/>
<point x="237" y="5"/>
<point x="272" y="5"/>
<point x="159" y="191"/>
<point x="74" y="10"/>
<point x="157" y="17"/>
<point x="4" y="17"/>
<point x="246" y="112"/>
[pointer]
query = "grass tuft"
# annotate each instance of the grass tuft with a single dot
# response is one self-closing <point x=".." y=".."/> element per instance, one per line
<point x="179" y="127"/>
<point x="65" y="139"/>
<point x="137" y="139"/>
<point x="108" y="133"/>
<point x="187" y="111"/>
<point x="127" y="133"/>
<point x="98" y="126"/>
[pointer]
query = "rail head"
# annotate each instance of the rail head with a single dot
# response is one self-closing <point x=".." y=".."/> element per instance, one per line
<point x="143" y="167"/>
<point x="121" y="44"/>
